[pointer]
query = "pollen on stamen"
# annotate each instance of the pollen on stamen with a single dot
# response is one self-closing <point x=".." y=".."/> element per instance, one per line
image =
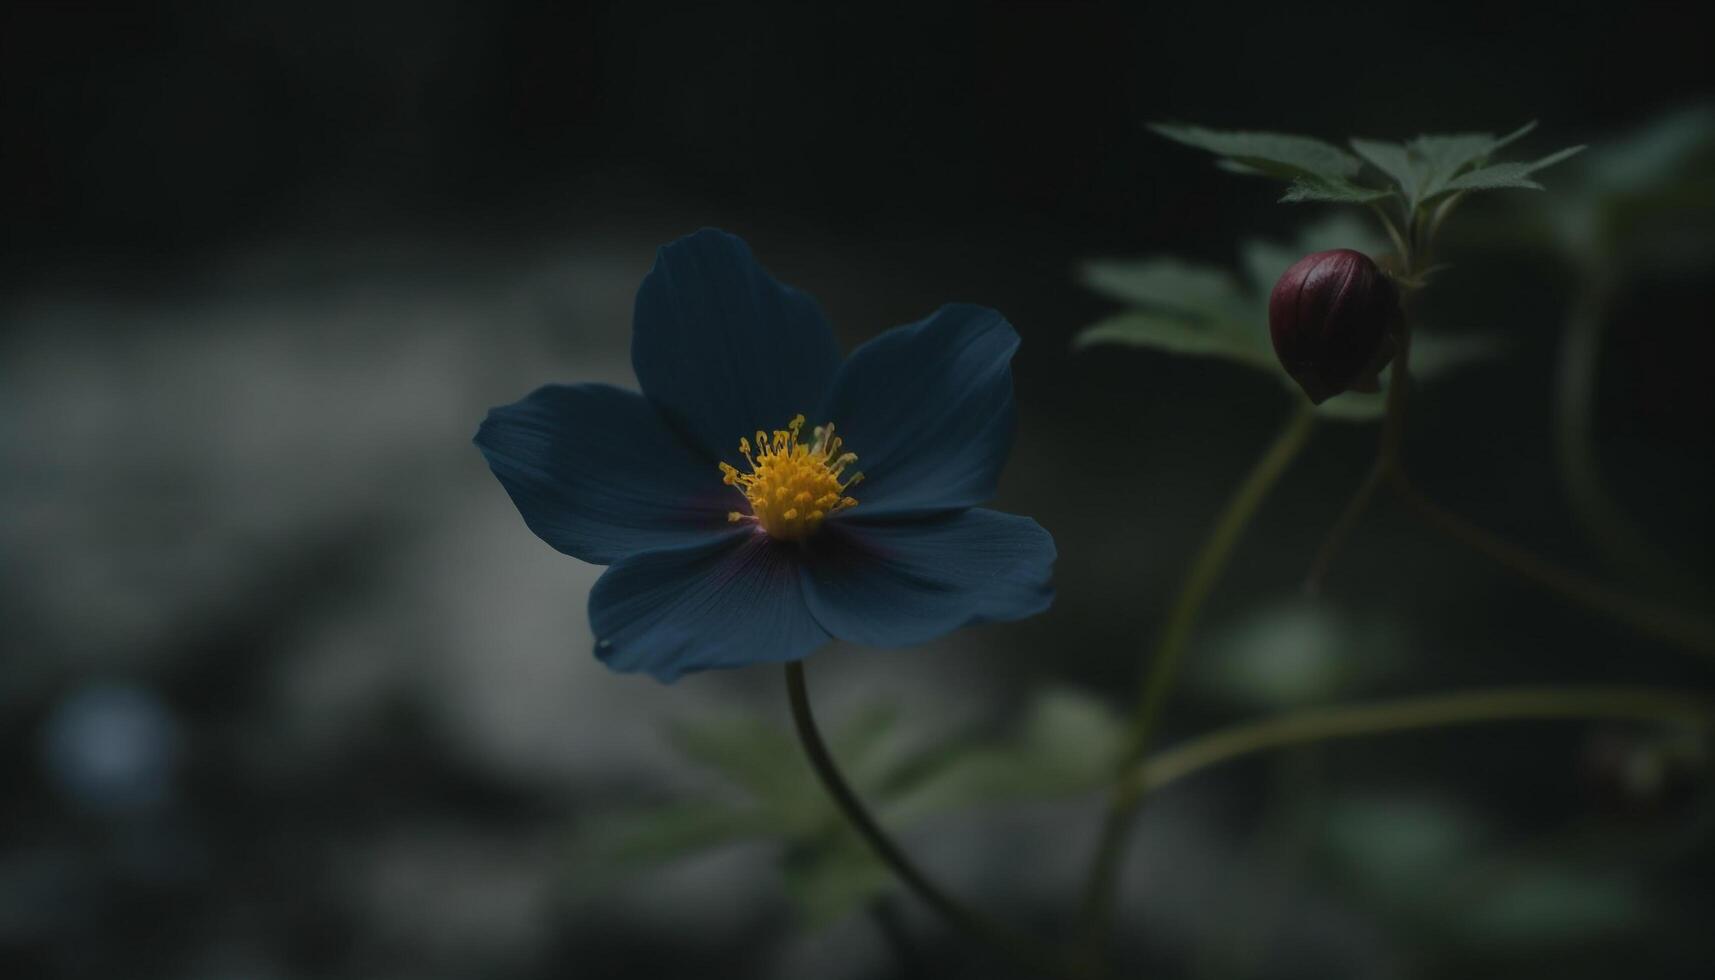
<point x="792" y="486"/>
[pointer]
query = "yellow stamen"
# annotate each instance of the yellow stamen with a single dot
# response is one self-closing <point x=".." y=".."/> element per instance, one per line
<point x="792" y="486"/>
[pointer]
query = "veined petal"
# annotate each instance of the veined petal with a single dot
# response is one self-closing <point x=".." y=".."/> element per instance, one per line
<point x="928" y="410"/>
<point x="722" y="347"/>
<point x="726" y="603"/>
<point x="596" y="473"/>
<point x="899" y="583"/>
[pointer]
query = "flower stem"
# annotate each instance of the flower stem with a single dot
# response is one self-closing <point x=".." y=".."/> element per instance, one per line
<point x="1649" y="618"/>
<point x="1006" y="942"/>
<point x="1170" y="648"/>
<point x="1408" y="714"/>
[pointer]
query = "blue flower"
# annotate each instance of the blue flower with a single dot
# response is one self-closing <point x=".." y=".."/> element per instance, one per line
<point x="734" y="534"/>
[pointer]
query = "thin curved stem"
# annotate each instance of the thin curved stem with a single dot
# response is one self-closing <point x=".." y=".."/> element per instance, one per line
<point x="1398" y="387"/>
<point x="1650" y="618"/>
<point x="1446" y="208"/>
<point x="1205" y="571"/>
<point x="1392" y="230"/>
<point x="1410" y="714"/>
<point x="1343" y="527"/>
<point x="1004" y="941"/>
<point x="1387" y="462"/>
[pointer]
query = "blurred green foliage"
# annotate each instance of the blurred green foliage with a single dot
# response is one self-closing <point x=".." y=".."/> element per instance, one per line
<point x="1066" y="743"/>
<point x="1424" y="865"/>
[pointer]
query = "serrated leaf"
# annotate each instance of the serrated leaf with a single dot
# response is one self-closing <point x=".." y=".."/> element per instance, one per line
<point x="1647" y="194"/>
<point x="1178" y="335"/>
<point x="1282" y="155"/>
<point x="1334" y="190"/>
<point x="1168" y="283"/>
<point x="1396" y="161"/>
<point x="1513" y="137"/>
<point x="1501" y="176"/>
<point x="1441" y="158"/>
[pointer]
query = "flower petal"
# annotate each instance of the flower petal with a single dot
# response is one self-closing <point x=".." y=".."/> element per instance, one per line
<point x="597" y="474"/>
<point x="895" y="584"/>
<point x="722" y="347"/>
<point x="728" y="603"/>
<point x="928" y="410"/>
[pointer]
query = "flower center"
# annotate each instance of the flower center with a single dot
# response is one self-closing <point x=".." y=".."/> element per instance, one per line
<point x="792" y="486"/>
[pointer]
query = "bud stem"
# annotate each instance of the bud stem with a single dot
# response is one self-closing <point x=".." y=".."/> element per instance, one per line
<point x="1007" y="942"/>
<point x="1205" y="571"/>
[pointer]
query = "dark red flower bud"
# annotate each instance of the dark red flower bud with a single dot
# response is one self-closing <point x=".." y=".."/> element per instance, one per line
<point x="1333" y="316"/>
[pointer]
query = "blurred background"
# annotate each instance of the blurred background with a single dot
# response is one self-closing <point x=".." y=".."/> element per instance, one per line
<point x="287" y="689"/>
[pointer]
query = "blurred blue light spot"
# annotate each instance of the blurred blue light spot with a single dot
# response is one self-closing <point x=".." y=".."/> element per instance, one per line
<point x="112" y="748"/>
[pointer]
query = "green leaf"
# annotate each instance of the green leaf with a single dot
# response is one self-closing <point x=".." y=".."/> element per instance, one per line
<point x="833" y="877"/>
<point x="756" y="756"/>
<point x="1336" y="190"/>
<point x="1183" y="308"/>
<point x="1671" y="150"/>
<point x="1168" y="283"/>
<point x="1501" y="176"/>
<point x="1280" y="155"/>
<point x="1440" y="158"/>
<point x="866" y="745"/>
<point x="1396" y="161"/>
<point x="1511" y="138"/>
<point x="1177" y="335"/>
<point x="828" y="869"/>
<point x="1423" y="167"/>
<point x="1646" y="197"/>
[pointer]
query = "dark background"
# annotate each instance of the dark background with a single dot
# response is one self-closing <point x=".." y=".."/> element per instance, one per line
<point x="289" y="691"/>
